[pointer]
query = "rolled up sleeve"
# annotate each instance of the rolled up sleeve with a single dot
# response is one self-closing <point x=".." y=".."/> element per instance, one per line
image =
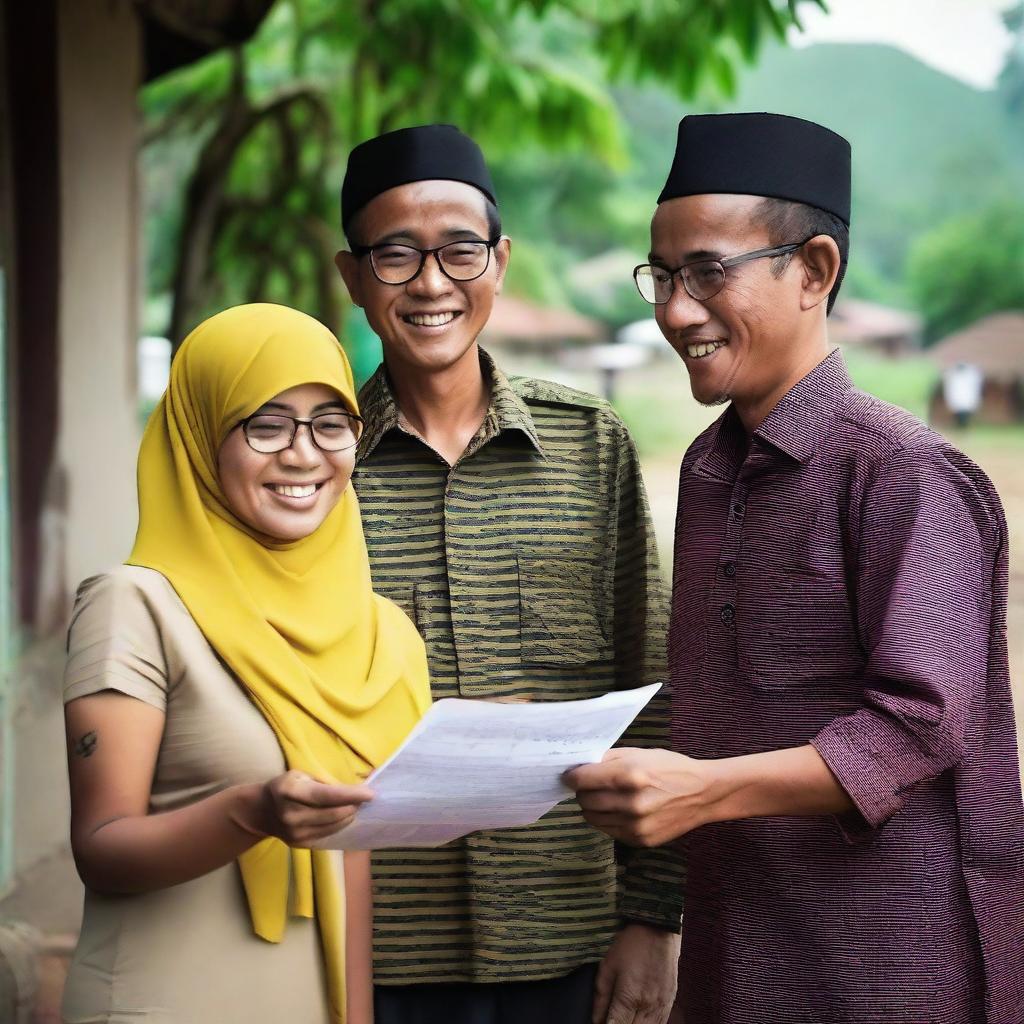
<point x="928" y="542"/>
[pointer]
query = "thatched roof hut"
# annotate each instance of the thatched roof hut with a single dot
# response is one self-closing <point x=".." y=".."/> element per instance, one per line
<point x="995" y="344"/>
<point x="861" y="324"/>
<point x="519" y="325"/>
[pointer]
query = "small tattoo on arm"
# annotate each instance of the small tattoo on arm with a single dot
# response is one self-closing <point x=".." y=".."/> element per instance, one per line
<point x="86" y="746"/>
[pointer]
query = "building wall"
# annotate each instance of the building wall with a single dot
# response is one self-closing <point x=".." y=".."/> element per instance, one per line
<point x="29" y="225"/>
<point x="87" y="520"/>
<point x="99" y="56"/>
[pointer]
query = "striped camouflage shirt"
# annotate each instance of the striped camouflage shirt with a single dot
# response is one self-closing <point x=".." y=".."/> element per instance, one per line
<point x="530" y="569"/>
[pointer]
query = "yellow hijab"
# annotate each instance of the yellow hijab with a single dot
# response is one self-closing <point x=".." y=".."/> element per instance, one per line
<point x="339" y="672"/>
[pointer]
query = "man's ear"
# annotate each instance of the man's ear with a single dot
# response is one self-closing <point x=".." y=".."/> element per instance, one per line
<point x="821" y="262"/>
<point x="502" y="254"/>
<point x="348" y="267"/>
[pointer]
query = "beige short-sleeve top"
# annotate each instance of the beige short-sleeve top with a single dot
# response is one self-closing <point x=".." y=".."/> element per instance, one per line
<point x="186" y="954"/>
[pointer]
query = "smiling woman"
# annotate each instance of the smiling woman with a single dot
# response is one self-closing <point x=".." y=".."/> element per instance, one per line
<point x="284" y="468"/>
<point x="226" y="692"/>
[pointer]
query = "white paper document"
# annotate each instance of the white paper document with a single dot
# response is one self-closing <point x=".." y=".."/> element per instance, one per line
<point x="472" y="764"/>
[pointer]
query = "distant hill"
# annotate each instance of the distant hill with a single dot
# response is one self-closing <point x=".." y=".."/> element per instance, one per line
<point x="925" y="145"/>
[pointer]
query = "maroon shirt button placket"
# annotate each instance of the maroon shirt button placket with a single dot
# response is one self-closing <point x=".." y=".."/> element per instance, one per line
<point x="725" y="585"/>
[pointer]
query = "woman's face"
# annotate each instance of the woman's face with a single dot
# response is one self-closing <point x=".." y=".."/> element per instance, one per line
<point x="287" y="494"/>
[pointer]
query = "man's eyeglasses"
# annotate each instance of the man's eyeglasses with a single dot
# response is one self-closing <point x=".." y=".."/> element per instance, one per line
<point x="331" y="431"/>
<point x="702" y="279"/>
<point x="400" y="264"/>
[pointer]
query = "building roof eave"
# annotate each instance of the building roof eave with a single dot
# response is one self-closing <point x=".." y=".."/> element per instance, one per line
<point x="179" y="32"/>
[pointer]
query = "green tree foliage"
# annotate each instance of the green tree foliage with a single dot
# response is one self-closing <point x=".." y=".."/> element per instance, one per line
<point x="259" y="136"/>
<point x="926" y="146"/>
<point x="969" y="267"/>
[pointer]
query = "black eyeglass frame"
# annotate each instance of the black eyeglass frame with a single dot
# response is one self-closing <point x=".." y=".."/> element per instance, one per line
<point x="724" y="263"/>
<point x="296" y="423"/>
<point x="359" y="251"/>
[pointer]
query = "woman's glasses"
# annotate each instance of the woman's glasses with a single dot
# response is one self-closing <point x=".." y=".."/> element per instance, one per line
<point x="330" y="431"/>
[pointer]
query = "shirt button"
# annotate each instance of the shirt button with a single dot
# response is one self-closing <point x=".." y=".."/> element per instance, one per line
<point x="728" y="614"/>
<point x="729" y="569"/>
<point x="738" y="509"/>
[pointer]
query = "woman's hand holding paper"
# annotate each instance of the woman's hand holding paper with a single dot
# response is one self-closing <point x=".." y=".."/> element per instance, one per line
<point x="298" y="810"/>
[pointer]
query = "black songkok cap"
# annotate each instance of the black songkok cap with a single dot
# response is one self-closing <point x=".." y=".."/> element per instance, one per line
<point x="426" y="153"/>
<point x="761" y="155"/>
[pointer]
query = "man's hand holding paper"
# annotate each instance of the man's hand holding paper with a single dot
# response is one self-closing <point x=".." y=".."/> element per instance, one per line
<point x="471" y="765"/>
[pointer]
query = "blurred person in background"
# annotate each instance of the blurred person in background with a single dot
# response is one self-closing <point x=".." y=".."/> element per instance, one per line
<point x="226" y="691"/>
<point x="508" y="516"/>
<point x="847" y="782"/>
<point x="962" y="385"/>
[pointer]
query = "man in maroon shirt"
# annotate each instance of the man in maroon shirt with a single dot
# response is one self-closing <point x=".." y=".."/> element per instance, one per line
<point x="847" y="783"/>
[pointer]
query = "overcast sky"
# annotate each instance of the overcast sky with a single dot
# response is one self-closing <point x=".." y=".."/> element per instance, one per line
<point x="964" y="38"/>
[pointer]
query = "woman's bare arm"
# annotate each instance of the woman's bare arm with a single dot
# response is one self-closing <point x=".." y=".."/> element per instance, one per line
<point x="120" y="847"/>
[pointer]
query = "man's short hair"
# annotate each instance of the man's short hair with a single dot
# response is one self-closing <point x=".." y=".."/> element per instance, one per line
<point x="491" y="210"/>
<point x="788" y="222"/>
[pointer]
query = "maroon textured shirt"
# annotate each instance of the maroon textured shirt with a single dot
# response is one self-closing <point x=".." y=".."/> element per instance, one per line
<point x="842" y="581"/>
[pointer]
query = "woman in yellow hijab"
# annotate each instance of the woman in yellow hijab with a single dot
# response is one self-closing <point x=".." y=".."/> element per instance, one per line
<point x="226" y="692"/>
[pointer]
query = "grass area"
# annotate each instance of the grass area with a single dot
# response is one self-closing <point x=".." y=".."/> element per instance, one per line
<point x="656" y="404"/>
<point x="906" y="382"/>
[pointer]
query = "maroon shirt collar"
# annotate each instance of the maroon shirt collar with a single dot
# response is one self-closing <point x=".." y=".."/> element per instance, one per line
<point x="796" y="427"/>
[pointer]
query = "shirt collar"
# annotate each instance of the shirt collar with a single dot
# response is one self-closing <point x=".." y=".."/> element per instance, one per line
<point x="801" y="421"/>
<point x="728" y="448"/>
<point x="796" y="426"/>
<point x="506" y="410"/>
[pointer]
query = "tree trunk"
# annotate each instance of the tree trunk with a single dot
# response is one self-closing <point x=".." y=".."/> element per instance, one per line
<point x="203" y="200"/>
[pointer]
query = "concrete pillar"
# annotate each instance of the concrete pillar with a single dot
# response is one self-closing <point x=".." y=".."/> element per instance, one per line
<point x="99" y="61"/>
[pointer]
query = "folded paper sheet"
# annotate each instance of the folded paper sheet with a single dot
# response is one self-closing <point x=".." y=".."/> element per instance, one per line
<point x="471" y="765"/>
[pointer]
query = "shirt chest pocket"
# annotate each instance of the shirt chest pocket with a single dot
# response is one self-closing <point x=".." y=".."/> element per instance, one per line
<point x="796" y="630"/>
<point x="561" y="611"/>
